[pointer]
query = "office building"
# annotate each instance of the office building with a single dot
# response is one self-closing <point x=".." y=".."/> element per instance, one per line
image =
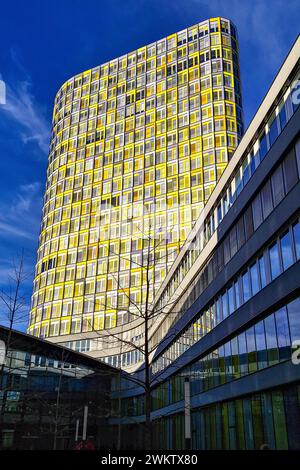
<point x="137" y="147"/>
<point x="235" y="336"/>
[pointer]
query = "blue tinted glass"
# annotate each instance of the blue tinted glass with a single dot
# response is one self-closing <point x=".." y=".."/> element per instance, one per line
<point x="261" y="346"/>
<point x="263" y="148"/>
<point x="213" y="315"/>
<point x="246" y="174"/>
<point x="218" y="311"/>
<point x="219" y="211"/>
<point x="260" y="336"/>
<point x="274" y="261"/>
<point x="263" y="278"/>
<point x="282" y="326"/>
<point x="282" y="116"/>
<point x="246" y="286"/>
<point x="254" y="279"/>
<point x="238" y="184"/>
<point x="286" y="250"/>
<point x="242" y="354"/>
<point x="296" y="230"/>
<point x="273" y="131"/>
<point x="252" y="164"/>
<point x="250" y="337"/>
<point x="271" y="337"/>
<point x="294" y="318"/>
<point x="295" y="94"/>
<point x="231" y="299"/>
<point x="224" y="305"/>
<point x="237" y="294"/>
<point x="242" y="343"/>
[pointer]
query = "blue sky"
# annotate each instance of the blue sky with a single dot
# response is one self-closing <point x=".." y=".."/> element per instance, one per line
<point x="43" y="43"/>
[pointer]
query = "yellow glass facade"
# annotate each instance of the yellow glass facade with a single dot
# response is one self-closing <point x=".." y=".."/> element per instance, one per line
<point x="137" y="145"/>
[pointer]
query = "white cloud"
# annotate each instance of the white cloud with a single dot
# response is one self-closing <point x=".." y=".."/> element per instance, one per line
<point x="20" y="217"/>
<point x="22" y="107"/>
<point x="261" y="24"/>
<point x="12" y="230"/>
<point x="25" y="197"/>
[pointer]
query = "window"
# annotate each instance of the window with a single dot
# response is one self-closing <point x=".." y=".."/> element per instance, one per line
<point x="271" y="339"/>
<point x="266" y="198"/>
<point x="231" y="299"/>
<point x="257" y="212"/>
<point x="261" y="346"/>
<point x="277" y="185"/>
<point x="296" y="230"/>
<point x="290" y="171"/>
<point x="224" y="305"/>
<point x="273" y="130"/>
<point x="282" y="115"/>
<point x="240" y="233"/>
<point x="286" y="250"/>
<point x="246" y="286"/>
<point x="294" y="319"/>
<point x="243" y="353"/>
<point x="283" y="335"/>
<point x="262" y="270"/>
<point x="237" y="294"/>
<point x="248" y="222"/>
<point x="254" y="279"/>
<point x="251" y="348"/>
<point x="297" y="149"/>
<point x="263" y="146"/>
<point x="274" y="261"/>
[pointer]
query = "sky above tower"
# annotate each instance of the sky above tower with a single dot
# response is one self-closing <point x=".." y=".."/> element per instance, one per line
<point x="45" y="43"/>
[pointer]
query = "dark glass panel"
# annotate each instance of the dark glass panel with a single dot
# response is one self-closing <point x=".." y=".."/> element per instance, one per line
<point x="279" y="421"/>
<point x="283" y="334"/>
<point x="254" y="278"/>
<point x="296" y="231"/>
<point x="243" y="354"/>
<point x="257" y="212"/>
<point x="251" y="348"/>
<point x="290" y="171"/>
<point x="278" y="185"/>
<point x="231" y="297"/>
<point x="271" y="339"/>
<point x="261" y="346"/>
<point x="224" y="305"/>
<point x="266" y="198"/>
<point x="282" y="115"/>
<point x="248" y="222"/>
<point x="235" y="358"/>
<point x="293" y="309"/>
<point x="262" y="269"/>
<point x="274" y="261"/>
<point x="246" y="286"/>
<point x="263" y="148"/>
<point x="273" y="130"/>
<point x="286" y="250"/>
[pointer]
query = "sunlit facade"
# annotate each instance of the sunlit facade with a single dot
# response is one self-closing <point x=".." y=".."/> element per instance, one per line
<point x="137" y="147"/>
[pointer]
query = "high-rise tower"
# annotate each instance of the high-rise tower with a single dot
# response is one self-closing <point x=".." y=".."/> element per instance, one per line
<point x="137" y="146"/>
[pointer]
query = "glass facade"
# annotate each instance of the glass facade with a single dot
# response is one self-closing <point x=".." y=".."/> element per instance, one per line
<point x="269" y="419"/>
<point x="279" y="256"/>
<point x="43" y="392"/>
<point x="280" y="114"/>
<point x="137" y="147"/>
<point x="272" y="193"/>
<point x="268" y="265"/>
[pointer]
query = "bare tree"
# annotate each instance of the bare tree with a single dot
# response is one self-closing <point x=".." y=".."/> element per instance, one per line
<point x="13" y="301"/>
<point x="146" y="312"/>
